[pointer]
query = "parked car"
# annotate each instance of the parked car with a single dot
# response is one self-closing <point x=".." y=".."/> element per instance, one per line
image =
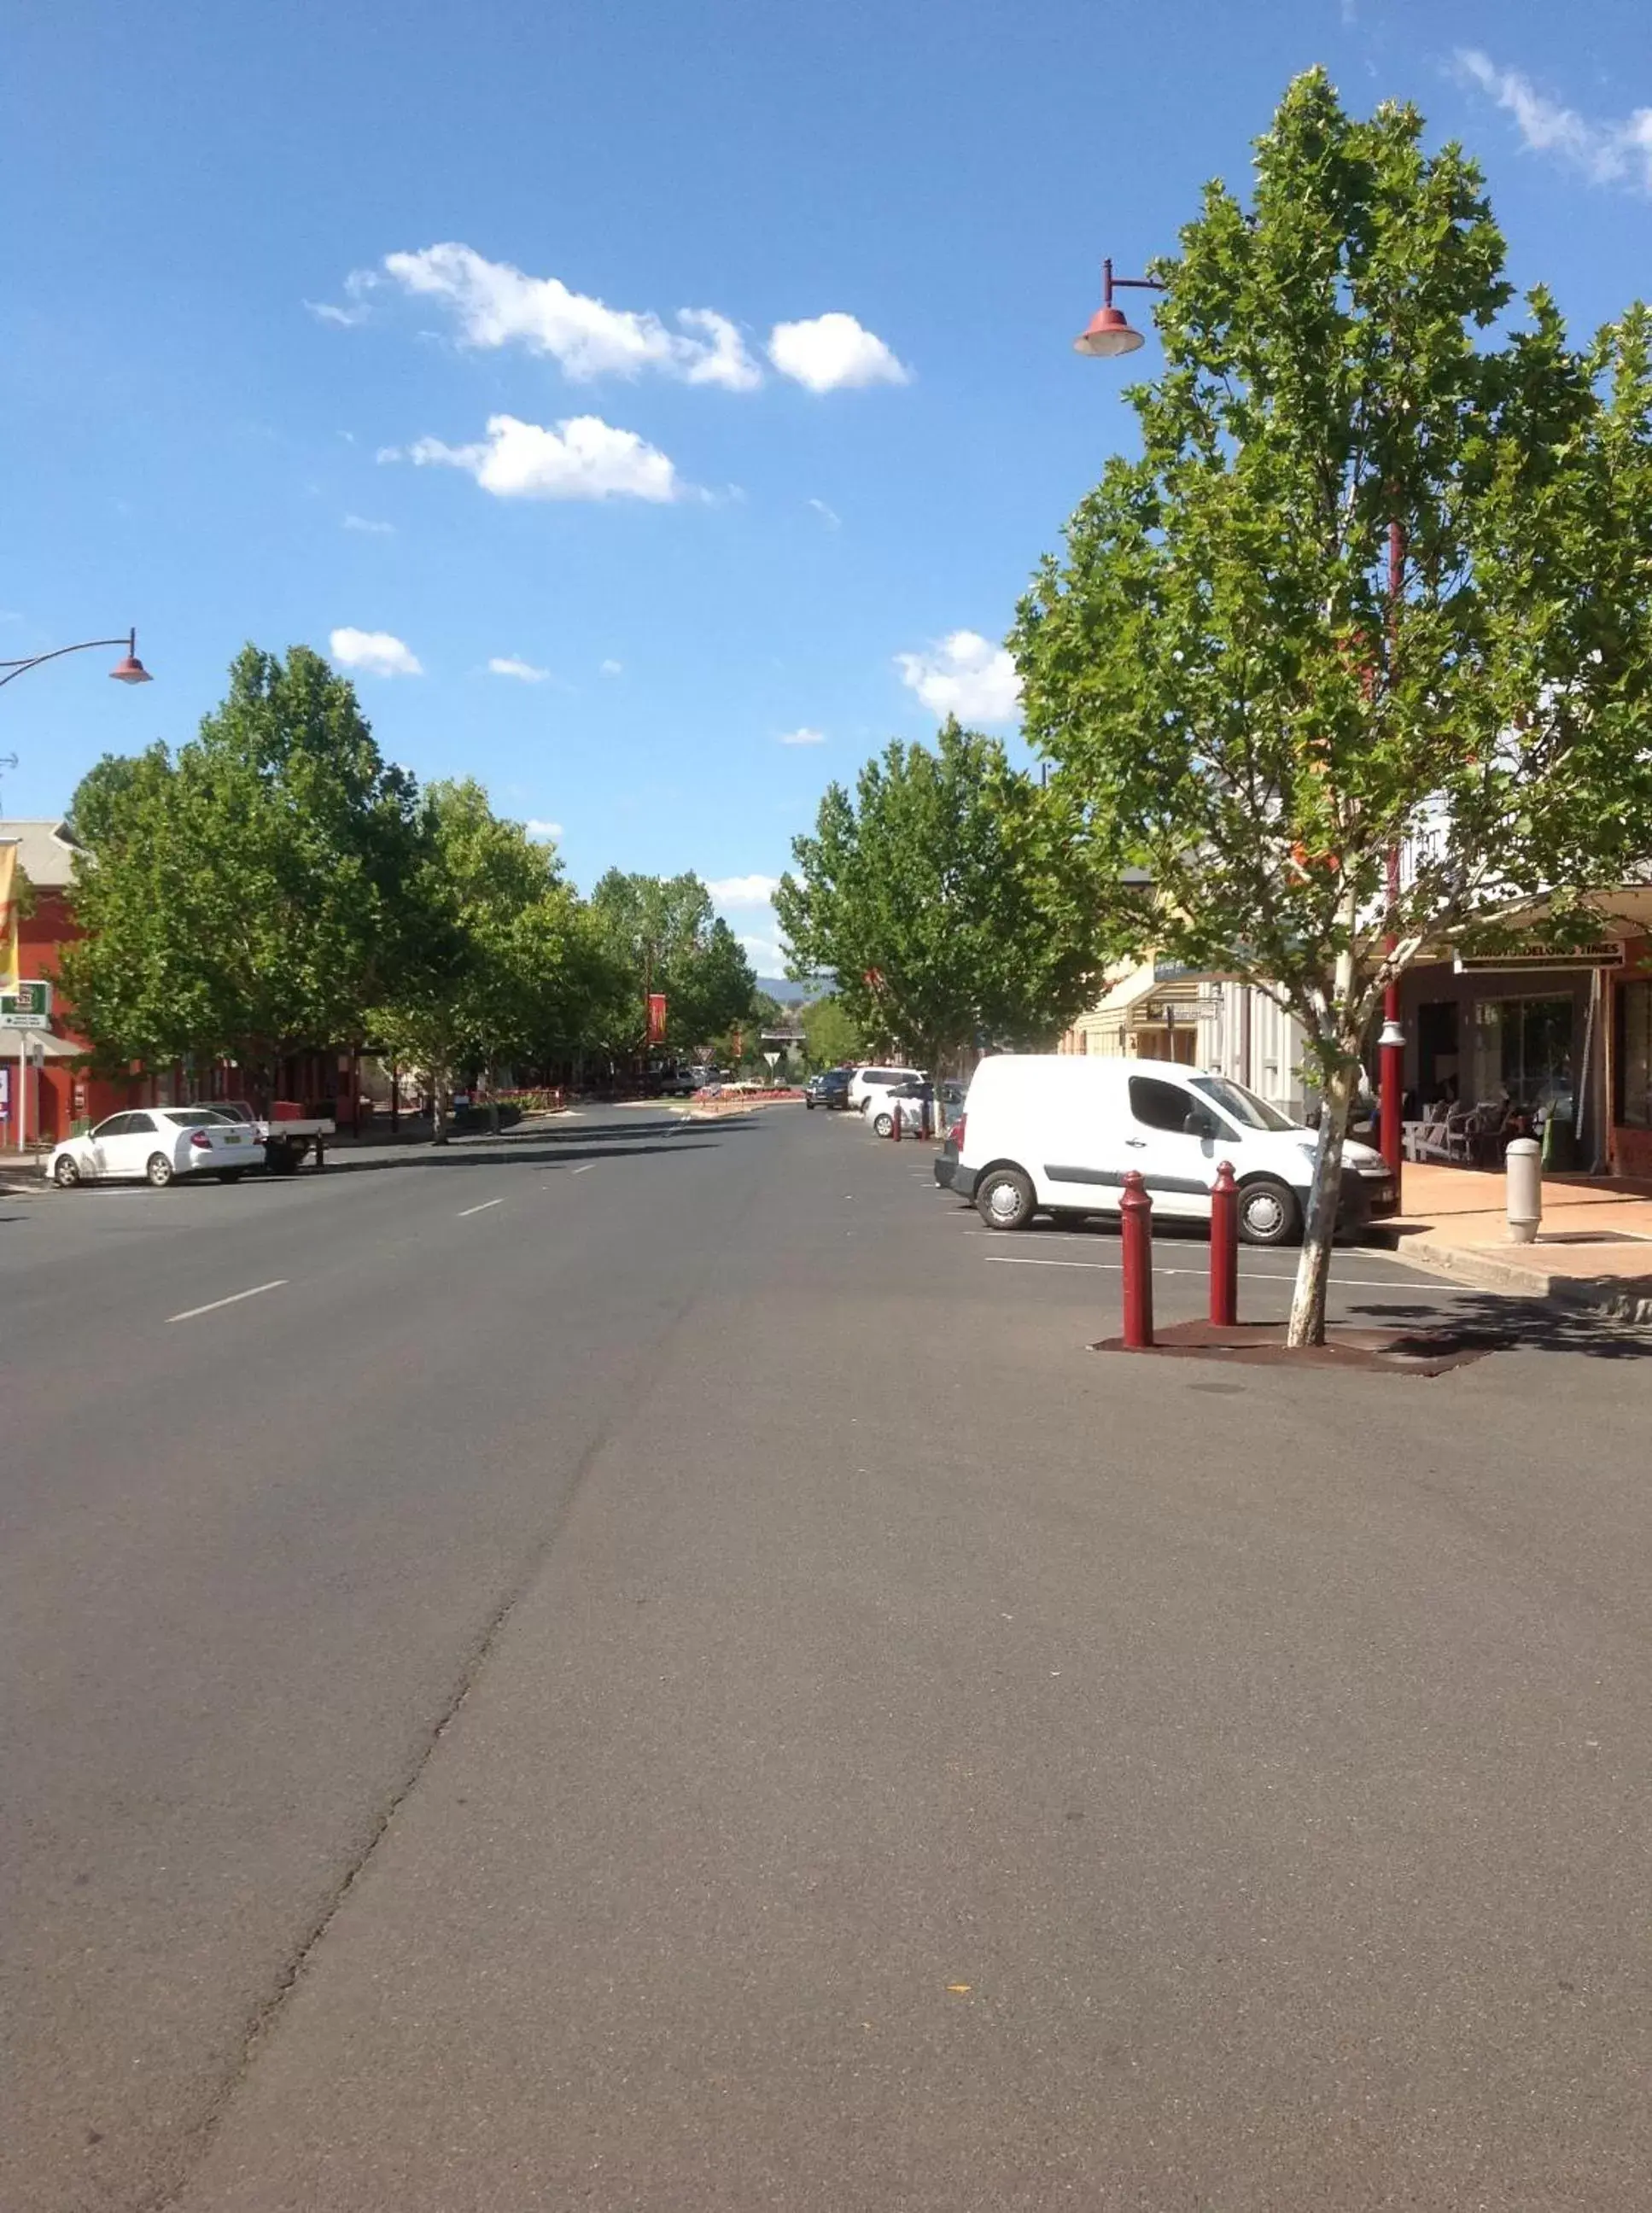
<point x="867" y="1083"/>
<point x="829" y="1089"/>
<point x="158" y="1144"/>
<point x="1045" y="1133"/>
<point x="916" y="1102"/>
<point x="286" y="1137"/>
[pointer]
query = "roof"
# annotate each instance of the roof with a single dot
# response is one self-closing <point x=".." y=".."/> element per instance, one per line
<point x="45" y="852"/>
<point x="53" y="1047"/>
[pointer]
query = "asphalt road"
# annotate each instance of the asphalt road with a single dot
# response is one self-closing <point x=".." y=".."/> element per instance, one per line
<point x="646" y="1666"/>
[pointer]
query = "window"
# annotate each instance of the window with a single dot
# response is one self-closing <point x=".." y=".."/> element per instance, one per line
<point x="1159" y="1105"/>
<point x="1241" y="1105"/>
<point x="138" y="1125"/>
<point x="118" y="1125"/>
<point x="194" y="1118"/>
<point x="1636" y="1060"/>
<point x="1523" y="1051"/>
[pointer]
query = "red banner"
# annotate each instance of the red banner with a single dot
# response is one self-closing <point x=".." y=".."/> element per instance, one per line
<point x="657" y="1017"/>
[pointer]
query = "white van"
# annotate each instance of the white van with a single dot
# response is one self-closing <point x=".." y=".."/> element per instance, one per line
<point x="1047" y="1133"/>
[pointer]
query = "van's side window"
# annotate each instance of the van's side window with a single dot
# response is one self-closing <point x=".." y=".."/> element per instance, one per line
<point x="1159" y="1105"/>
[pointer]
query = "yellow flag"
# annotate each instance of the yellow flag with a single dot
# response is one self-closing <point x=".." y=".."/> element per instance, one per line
<point x="7" y="916"/>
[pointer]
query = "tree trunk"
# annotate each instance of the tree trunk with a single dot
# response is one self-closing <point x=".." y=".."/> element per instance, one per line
<point x="1314" y="1269"/>
<point x="440" y="1107"/>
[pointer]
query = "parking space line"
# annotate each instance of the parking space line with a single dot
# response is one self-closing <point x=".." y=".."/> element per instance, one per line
<point x="483" y="1209"/>
<point x="586" y="1168"/>
<point x="233" y="1299"/>
<point x="1246" y="1276"/>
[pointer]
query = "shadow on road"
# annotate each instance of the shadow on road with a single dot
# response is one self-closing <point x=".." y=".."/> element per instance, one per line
<point x="1502" y="1323"/>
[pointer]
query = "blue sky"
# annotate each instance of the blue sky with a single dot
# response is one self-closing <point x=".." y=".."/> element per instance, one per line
<point x="774" y="518"/>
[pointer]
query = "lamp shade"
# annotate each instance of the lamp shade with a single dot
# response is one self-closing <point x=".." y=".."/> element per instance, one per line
<point x="1107" y="333"/>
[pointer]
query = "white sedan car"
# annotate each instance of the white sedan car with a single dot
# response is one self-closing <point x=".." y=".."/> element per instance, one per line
<point x="158" y="1145"/>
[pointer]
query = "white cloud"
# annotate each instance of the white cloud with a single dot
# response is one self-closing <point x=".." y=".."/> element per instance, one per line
<point x="523" y="671"/>
<point x="767" y="954"/>
<point x="829" y="516"/>
<point x="612" y="668"/>
<point x="964" y="675"/>
<point x="584" y="458"/>
<point x="497" y="305"/>
<point x="743" y="891"/>
<point x="371" y="529"/>
<point x="804" y="737"/>
<point x="375" y="652"/>
<point x="544" y="832"/>
<point x="345" y="319"/>
<point x="1609" y="150"/>
<point x="831" y="351"/>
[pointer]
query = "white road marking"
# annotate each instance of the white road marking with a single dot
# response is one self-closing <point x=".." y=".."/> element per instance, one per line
<point x="586" y="1170"/>
<point x="483" y="1209"/>
<point x="233" y="1299"/>
<point x="1264" y="1276"/>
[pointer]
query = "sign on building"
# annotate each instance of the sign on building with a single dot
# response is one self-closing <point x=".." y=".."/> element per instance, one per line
<point x="27" y="1008"/>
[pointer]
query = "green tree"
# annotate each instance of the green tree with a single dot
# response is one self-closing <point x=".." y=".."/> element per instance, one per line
<point x="1235" y="698"/>
<point x="500" y="971"/>
<point x="950" y="896"/>
<point x="663" y="937"/>
<point x="835" y="1037"/>
<point x="243" y="898"/>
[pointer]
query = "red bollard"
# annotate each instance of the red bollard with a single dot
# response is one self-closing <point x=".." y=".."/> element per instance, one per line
<point x="894" y="1119"/>
<point x="1224" y="1248"/>
<point x="1136" y="1227"/>
<point x="928" y="1127"/>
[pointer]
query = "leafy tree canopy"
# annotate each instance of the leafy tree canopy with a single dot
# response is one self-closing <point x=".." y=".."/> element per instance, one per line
<point x="243" y="898"/>
<point x="951" y="896"/>
<point x="1235" y="697"/>
<point x="663" y="937"/>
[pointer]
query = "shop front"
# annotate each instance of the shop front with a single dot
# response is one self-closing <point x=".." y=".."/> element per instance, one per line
<point x="1631" y="1076"/>
<point x="1520" y="1041"/>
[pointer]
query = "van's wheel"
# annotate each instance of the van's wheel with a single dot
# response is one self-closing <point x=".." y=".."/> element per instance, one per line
<point x="159" y="1171"/>
<point x="1004" y="1199"/>
<point x="1268" y="1213"/>
<point x="66" y="1174"/>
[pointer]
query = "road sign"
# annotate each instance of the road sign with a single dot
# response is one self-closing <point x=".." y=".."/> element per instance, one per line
<point x="27" y="1008"/>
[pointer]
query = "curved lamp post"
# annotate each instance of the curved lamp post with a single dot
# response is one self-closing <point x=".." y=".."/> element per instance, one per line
<point x="1109" y="334"/>
<point x="129" y="669"/>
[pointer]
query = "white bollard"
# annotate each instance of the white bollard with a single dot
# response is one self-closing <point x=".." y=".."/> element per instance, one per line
<point x="1525" y="1164"/>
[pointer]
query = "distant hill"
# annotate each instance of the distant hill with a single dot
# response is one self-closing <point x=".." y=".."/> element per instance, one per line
<point x="794" y="995"/>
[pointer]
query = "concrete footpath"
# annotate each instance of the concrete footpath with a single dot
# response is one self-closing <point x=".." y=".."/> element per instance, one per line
<point x="1594" y="1249"/>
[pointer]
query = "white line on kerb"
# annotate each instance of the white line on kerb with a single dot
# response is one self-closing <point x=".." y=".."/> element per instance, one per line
<point x="483" y="1209"/>
<point x="233" y="1299"/>
<point x="1114" y="1267"/>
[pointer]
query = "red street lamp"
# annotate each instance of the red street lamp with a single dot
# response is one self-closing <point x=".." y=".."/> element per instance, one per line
<point x="1108" y="332"/>
<point x="129" y="669"/>
<point x="1107" y="335"/>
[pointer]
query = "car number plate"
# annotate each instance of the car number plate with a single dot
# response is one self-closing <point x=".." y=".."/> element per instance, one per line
<point x="230" y="1137"/>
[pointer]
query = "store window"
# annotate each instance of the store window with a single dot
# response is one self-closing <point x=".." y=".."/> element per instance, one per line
<point x="1523" y="1051"/>
<point x="1635" y="1061"/>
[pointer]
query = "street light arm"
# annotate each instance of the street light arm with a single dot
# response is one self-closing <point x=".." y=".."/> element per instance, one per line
<point x="15" y="668"/>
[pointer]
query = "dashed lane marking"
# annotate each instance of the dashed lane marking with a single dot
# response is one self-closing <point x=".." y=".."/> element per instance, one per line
<point x="233" y="1299"/>
<point x="483" y="1209"/>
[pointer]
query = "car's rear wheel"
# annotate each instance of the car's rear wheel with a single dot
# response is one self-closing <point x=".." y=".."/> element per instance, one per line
<point x="1004" y="1199"/>
<point x="883" y="1126"/>
<point x="66" y="1174"/>
<point x="1268" y="1212"/>
<point x="159" y="1171"/>
<point x="230" y="1175"/>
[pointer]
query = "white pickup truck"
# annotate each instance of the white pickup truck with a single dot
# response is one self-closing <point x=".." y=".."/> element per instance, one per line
<point x="287" y="1138"/>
